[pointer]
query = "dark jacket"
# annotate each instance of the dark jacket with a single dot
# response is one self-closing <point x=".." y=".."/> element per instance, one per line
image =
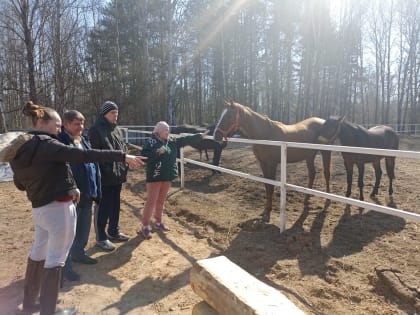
<point x="39" y="167"/>
<point x="106" y="136"/>
<point x="164" y="167"/>
<point x="88" y="180"/>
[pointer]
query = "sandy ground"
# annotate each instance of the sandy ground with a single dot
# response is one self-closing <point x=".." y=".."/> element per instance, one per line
<point x="332" y="259"/>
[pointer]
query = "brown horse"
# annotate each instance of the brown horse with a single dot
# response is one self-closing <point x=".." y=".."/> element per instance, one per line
<point x="378" y="137"/>
<point x="237" y="117"/>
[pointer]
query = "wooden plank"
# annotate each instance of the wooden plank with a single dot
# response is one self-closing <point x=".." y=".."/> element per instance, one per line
<point x="230" y="290"/>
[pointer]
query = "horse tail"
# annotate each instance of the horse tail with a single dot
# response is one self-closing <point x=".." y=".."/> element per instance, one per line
<point x="396" y="142"/>
<point x="390" y="166"/>
<point x="390" y="160"/>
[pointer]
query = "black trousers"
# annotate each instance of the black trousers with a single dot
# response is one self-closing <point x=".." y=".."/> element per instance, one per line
<point x="108" y="212"/>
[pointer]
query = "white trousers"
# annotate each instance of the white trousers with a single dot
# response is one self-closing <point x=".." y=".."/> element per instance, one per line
<point x="55" y="227"/>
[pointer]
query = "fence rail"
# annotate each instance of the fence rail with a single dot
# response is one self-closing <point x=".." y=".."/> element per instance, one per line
<point x="283" y="172"/>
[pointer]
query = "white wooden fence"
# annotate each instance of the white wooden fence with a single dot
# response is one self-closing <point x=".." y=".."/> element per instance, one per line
<point x="283" y="174"/>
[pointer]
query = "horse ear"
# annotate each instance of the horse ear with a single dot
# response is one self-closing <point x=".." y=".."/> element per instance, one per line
<point x="228" y="102"/>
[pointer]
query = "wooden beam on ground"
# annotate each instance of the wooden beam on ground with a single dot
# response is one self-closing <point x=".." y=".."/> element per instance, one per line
<point x="230" y="290"/>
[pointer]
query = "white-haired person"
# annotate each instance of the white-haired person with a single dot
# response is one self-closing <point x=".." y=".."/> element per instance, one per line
<point x="161" y="169"/>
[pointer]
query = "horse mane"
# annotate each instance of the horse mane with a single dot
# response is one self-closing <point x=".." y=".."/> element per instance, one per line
<point x="247" y="110"/>
<point x="250" y="110"/>
<point x="354" y="126"/>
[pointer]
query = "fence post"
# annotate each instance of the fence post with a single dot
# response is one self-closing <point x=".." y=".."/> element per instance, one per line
<point x="126" y="134"/>
<point x="283" y="177"/>
<point x="181" y="158"/>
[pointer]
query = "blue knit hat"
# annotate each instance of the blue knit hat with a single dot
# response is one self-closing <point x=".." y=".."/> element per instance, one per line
<point x="107" y="107"/>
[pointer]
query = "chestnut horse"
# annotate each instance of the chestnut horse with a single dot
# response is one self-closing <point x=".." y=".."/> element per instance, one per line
<point x="252" y="125"/>
<point x="378" y="137"/>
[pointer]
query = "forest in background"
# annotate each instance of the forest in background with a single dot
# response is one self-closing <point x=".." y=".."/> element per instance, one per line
<point x="179" y="60"/>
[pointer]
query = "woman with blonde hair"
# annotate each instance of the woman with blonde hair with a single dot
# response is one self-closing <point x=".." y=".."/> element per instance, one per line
<point x="39" y="162"/>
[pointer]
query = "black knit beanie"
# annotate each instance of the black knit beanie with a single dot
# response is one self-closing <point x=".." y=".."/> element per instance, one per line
<point x="107" y="107"/>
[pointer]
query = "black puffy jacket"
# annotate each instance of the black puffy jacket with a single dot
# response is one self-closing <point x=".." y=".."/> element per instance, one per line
<point x="40" y="167"/>
<point x="106" y="136"/>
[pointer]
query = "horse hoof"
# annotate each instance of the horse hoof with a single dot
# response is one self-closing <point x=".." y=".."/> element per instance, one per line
<point x="265" y="218"/>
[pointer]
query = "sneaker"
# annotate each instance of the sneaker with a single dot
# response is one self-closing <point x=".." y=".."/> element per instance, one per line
<point x="84" y="260"/>
<point x="120" y="237"/>
<point x="162" y="227"/>
<point x="67" y="311"/>
<point x="106" y="245"/>
<point x="146" y="232"/>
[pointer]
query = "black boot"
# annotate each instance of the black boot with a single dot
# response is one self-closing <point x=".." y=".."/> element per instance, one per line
<point x="49" y="293"/>
<point x="32" y="285"/>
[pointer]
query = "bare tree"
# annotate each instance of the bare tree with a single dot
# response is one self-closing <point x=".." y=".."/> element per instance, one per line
<point x="26" y="19"/>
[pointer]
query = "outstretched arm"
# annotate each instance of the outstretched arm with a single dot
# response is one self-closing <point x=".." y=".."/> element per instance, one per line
<point x="135" y="160"/>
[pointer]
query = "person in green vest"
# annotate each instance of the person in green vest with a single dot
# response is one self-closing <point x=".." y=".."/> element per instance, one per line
<point x="161" y="170"/>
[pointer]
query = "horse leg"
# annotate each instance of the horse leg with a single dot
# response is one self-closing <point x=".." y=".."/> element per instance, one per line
<point x="207" y="154"/>
<point x="378" y="175"/>
<point x="390" y="166"/>
<point x="310" y="164"/>
<point x="269" y="171"/>
<point x="269" y="190"/>
<point x="217" y="153"/>
<point x="326" y="163"/>
<point x="349" y="171"/>
<point x="361" y="168"/>
<point x="311" y="175"/>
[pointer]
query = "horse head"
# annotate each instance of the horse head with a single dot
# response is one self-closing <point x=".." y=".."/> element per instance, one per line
<point x="330" y="130"/>
<point x="228" y="122"/>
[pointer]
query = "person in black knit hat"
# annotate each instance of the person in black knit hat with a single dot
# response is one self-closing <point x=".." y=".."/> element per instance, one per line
<point x="105" y="134"/>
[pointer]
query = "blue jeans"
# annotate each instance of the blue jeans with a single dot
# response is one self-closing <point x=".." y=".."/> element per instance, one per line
<point x="108" y="212"/>
<point x="84" y="221"/>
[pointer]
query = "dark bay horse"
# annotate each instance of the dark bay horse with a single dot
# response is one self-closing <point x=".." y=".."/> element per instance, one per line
<point x="378" y="137"/>
<point x="252" y="125"/>
<point x="203" y="144"/>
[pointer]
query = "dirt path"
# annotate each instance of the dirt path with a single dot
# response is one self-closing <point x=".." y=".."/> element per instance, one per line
<point x="331" y="260"/>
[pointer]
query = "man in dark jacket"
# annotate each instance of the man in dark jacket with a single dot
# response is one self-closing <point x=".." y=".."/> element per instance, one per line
<point x="105" y="134"/>
<point x="88" y="181"/>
